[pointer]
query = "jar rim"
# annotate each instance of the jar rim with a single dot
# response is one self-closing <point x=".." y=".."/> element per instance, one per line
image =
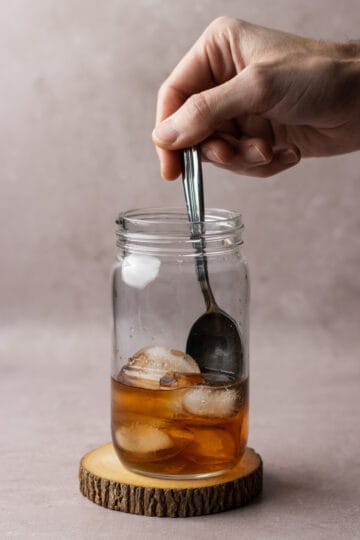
<point x="175" y="215"/>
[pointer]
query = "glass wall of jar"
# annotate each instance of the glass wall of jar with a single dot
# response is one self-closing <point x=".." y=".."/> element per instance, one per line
<point x="172" y="417"/>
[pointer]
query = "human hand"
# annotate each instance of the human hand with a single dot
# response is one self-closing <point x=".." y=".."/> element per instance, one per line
<point x="258" y="99"/>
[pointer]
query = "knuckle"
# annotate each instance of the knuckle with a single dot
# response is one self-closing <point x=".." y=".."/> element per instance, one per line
<point x="260" y="80"/>
<point x="258" y="75"/>
<point x="199" y="107"/>
<point x="222" y="23"/>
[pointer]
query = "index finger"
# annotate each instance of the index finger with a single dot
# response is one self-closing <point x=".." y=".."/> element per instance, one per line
<point x="192" y="74"/>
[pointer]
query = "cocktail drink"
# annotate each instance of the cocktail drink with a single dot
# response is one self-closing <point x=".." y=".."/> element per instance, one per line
<point x="169" y="419"/>
<point x="174" y="415"/>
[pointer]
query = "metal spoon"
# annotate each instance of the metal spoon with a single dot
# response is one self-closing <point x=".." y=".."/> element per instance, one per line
<point x="214" y="340"/>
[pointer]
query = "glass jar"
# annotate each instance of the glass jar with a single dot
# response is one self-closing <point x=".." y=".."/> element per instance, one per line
<point x="168" y="418"/>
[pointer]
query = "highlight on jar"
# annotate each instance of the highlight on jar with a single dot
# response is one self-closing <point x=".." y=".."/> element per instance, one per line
<point x="179" y="405"/>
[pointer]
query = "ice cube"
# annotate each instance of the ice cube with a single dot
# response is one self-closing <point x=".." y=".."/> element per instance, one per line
<point x="152" y="441"/>
<point x="142" y="439"/>
<point x="140" y="377"/>
<point x="211" y="444"/>
<point x="151" y="364"/>
<point x="139" y="270"/>
<point x="211" y="402"/>
<point x="163" y="359"/>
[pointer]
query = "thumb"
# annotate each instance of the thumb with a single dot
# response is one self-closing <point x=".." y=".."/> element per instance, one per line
<point x="203" y="113"/>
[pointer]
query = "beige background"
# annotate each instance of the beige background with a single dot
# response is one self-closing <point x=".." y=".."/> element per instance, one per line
<point x="77" y="97"/>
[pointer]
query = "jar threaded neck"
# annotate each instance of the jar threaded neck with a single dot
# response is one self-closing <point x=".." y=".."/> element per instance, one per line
<point x="167" y="231"/>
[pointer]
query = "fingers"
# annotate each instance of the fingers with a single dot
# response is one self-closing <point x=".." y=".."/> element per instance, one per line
<point x="250" y="157"/>
<point x="169" y="100"/>
<point x="202" y="113"/>
<point x="170" y="164"/>
<point x="190" y="76"/>
<point x="171" y="160"/>
<point x="231" y="152"/>
<point x="203" y="93"/>
<point x="200" y="69"/>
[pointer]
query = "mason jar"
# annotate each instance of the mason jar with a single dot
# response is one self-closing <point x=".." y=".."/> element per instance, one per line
<point x="170" y="416"/>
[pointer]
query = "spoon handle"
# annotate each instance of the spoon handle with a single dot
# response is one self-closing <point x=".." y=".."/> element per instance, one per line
<point x="193" y="189"/>
<point x="194" y="197"/>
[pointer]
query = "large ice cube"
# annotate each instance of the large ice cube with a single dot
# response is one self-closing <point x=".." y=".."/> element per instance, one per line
<point x="151" y="364"/>
<point x="152" y="441"/>
<point x="211" y="402"/>
<point x="142" y="439"/>
<point x="139" y="270"/>
<point x="163" y="359"/>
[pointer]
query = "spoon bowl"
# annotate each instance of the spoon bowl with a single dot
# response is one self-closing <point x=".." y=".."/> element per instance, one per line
<point x="214" y="342"/>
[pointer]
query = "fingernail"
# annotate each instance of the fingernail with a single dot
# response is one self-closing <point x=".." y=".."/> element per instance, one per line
<point x="209" y="154"/>
<point x="288" y="156"/>
<point x="165" y="132"/>
<point x="254" y="155"/>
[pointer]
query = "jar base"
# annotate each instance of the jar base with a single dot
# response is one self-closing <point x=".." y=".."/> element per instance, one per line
<point x="165" y="476"/>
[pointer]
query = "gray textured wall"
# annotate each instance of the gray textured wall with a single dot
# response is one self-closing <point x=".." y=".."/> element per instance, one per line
<point x="78" y="90"/>
<point x="77" y="97"/>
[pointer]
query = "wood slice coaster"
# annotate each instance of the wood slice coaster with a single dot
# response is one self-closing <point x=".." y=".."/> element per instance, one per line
<point x="105" y="481"/>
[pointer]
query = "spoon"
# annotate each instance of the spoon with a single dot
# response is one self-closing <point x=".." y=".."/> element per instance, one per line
<point x="214" y="340"/>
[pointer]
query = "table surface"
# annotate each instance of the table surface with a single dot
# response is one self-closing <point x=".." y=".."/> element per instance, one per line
<point x="305" y="411"/>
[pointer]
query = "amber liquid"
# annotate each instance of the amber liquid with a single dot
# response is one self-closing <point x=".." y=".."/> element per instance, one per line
<point x="194" y="431"/>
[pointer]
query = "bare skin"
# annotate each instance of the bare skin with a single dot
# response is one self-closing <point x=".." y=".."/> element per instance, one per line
<point x="258" y="100"/>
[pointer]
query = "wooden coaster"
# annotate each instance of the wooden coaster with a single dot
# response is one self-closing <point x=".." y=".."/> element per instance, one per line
<point x="105" y="481"/>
